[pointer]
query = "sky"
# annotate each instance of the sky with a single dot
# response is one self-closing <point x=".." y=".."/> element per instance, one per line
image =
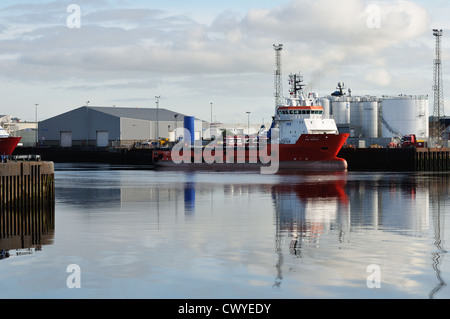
<point x="202" y="55"/>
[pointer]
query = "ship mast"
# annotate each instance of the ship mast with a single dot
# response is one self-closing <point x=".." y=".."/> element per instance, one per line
<point x="295" y="80"/>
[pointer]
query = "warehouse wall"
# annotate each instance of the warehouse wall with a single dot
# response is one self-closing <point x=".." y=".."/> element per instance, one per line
<point x="135" y="129"/>
<point x="83" y="123"/>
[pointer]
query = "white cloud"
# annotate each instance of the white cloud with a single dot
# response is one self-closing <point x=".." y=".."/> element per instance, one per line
<point x="138" y="46"/>
<point x="380" y="77"/>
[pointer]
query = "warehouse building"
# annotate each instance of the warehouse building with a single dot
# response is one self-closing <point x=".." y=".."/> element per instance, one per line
<point x="113" y="126"/>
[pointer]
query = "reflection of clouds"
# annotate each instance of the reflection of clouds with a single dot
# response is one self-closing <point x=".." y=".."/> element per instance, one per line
<point x="300" y="231"/>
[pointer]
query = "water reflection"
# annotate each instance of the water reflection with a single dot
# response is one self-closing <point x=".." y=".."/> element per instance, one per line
<point x="438" y="200"/>
<point x="305" y="210"/>
<point x="400" y="204"/>
<point x="314" y="223"/>
<point x="23" y="232"/>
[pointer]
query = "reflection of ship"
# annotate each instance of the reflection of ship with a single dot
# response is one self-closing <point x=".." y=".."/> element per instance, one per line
<point x="306" y="141"/>
<point x="7" y="143"/>
<point x="304" y="210"/>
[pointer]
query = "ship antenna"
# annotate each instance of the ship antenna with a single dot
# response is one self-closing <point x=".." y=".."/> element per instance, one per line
<point x="295" y="80"/>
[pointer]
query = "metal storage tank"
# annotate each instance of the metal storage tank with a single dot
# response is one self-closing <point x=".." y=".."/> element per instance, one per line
<point x="406" y="114"/>
<point x="325" y="103"/>
<point x="340" y="108"/>
<point x="355" y="111"/>
<point x="370" y="118"/>
<point x="189" y="125"/>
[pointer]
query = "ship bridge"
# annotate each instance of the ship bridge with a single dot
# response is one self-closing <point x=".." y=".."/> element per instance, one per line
<point x="294" y="121"/>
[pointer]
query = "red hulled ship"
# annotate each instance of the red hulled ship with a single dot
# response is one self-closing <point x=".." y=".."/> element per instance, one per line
<point x="300" y="138"/>
<point x="7" y="143"/>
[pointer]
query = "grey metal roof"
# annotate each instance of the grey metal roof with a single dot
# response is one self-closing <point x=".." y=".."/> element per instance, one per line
<point x="139" y="113"/>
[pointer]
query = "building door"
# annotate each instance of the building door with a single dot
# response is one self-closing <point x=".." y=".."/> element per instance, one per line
<point x="102" y="138"/>
<point x="66" y="138"/>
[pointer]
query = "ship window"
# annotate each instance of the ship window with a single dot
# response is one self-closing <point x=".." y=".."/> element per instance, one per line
<point x="324" y="148"/>
<point x="296" y="112"/>
<point x="292" y="112"/>
<point x="308" y="112"/>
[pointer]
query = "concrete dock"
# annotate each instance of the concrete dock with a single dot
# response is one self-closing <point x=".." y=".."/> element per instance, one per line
<point x="379" y="159"/>
<point x="397" y="159"/>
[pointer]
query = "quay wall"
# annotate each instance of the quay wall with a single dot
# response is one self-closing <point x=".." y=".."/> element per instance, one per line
<point x="100" y="155"/>
<point x="378" y="159"/>
<point x="397" y="159"/>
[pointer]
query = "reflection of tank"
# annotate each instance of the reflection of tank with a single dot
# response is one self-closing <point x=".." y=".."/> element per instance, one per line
<point x="406" y="115"/>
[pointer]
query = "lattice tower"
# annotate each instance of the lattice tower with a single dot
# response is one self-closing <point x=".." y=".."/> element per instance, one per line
<point x="278" y="83"/>
<point x="437" y="130"/>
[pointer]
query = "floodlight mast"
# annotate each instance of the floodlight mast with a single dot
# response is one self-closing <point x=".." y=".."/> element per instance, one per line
<point x="278" y="83"/>
<point x="438" y="103"/>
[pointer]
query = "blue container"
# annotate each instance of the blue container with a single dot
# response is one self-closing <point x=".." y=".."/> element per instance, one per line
<point x="189" y="124"/>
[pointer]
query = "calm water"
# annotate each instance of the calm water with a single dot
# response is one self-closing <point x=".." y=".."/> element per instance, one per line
<point x="137" y="233"/>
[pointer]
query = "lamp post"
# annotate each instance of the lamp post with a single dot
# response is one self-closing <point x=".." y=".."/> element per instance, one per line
<point x="157" y="116"/>
<point x="211" y="113"/>
<point x="248" y="123"/>
<point x="176" y="126"/>
<point x="37" y="124"/>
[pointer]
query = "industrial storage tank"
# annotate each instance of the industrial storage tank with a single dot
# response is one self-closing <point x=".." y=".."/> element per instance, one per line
<point x="370" y="118"/>
<point x="189" y="125"/>
<point x="355" y="111"/>
<point x="340" y="109"/>
<point x="325" y="103"/>
<point x="406" y="114"/>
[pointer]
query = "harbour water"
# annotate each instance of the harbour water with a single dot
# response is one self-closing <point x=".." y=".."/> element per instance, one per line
<point x="139" y="233"/>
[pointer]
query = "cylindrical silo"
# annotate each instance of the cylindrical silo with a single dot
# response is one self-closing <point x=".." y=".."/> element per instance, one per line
<point x="340" y="108"/>
<point x="370" y="118"/>
<point x="406" y="114"/>
<point x="325" y="103"/>
<point x="355" y="111"/>
<point x="189" y="125"/>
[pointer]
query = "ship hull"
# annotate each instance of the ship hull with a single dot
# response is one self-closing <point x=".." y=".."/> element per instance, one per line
<point x="331" y="165"/>
<point x="8" y="144"/>
<point x="312" y="152"/>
